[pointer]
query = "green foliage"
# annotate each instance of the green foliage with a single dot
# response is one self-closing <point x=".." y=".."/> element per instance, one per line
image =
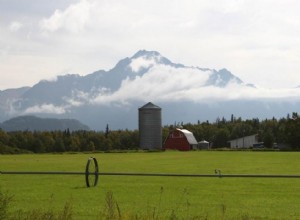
<point x="62" y="141"/>
<point x="283" y="131"/>
<point x="49" y="214"/>
<point x="35" y="214"/>
<point x="221" y="138"/>
<point x="292" y="131"/>
<point x="111" y="210"/>
<point x="268" y="139"/>
<point x="5" y="200"/>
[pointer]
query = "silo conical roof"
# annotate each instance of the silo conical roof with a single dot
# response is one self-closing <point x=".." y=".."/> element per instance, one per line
<point x="150" y="105"/>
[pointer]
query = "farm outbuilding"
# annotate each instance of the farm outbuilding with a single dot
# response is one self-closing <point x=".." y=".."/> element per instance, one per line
<point x="203" y="144"/>
<point x="180" y="139"/>
<point x="245" y="142"/>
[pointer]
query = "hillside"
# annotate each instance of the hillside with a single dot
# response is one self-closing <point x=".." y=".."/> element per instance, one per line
<point x="33" y="123"/>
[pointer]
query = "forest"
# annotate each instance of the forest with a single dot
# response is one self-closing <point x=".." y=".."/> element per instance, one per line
<point x="284" y="131"/>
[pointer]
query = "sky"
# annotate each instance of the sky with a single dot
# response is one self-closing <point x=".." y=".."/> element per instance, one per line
<point x="257" y="40"/>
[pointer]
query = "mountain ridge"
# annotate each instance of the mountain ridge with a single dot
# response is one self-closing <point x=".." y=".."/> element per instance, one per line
<point x="108" y="81"/>
<point x="33" y="123"/>
<point x="113" y="96"/>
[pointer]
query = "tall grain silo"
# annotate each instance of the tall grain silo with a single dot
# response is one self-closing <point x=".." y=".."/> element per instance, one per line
<point x="150" y="130"/>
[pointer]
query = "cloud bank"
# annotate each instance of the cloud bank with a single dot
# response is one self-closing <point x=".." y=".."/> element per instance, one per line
<point x="164" y="83"/>
<point x="155" y="78"/>
<point x="46" y="109"/>
<point x="256" y="40"/>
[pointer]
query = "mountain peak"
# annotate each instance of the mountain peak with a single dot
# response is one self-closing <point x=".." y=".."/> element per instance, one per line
<point x="145" y="53"/>
<point x="222" y="78"/>
<point x="142" y="60"/>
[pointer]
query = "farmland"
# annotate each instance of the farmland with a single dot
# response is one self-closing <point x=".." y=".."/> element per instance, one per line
<point x="159" y="197"/>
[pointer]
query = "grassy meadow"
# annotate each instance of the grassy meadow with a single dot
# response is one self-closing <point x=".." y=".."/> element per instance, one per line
<point x="158" y="197"/>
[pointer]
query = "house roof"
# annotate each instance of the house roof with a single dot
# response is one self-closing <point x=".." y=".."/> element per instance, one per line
<point x="189" y="136"/>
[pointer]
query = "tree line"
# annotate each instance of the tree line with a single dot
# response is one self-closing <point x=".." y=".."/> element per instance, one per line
<point x="284" y="131"/>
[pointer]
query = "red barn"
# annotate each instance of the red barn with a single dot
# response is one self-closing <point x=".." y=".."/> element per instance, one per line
<point x="180" y="139"/>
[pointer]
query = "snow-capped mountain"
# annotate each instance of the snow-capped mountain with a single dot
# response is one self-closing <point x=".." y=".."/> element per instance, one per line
<point x="113" y="97"/>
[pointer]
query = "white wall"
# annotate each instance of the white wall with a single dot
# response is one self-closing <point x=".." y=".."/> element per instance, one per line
<point x="244" y="142"/>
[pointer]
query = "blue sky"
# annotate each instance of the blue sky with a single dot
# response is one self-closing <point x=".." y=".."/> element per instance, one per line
<point x="257" y="40"/>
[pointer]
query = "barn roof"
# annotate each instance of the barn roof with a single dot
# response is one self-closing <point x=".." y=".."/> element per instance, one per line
<point x="189" y="136"/>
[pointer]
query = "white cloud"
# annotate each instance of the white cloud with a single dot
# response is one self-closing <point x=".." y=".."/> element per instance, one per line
<point x="167" y="84"/>
<point x="45" y="108"/>
<point x="15" y="26"/>
<point x="73" y="19"/>
<point x="74" y="102"/>
<point x="141" y="63"/>
<point x="256" y="40"/>
<point x="158" y="83"/>
<point x="77" y="99"/>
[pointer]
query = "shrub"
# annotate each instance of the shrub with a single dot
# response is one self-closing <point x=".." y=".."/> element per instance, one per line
<point x="5" y="199"/>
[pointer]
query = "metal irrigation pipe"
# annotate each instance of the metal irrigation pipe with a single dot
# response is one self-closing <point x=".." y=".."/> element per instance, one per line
<point x="201" y="175"/>
<point x="43" y="172"/>
<point x="151" y="174"/>
<point x="92" y="174"/>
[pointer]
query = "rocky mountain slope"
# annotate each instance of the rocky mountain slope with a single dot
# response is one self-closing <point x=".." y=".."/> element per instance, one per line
<point x="112" y="97"/>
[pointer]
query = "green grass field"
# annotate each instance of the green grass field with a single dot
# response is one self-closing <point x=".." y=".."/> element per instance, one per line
<point x="159" y="197"/>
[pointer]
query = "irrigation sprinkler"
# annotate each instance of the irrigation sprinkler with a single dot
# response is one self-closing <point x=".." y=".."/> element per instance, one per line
<point x="92" y="174"/>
